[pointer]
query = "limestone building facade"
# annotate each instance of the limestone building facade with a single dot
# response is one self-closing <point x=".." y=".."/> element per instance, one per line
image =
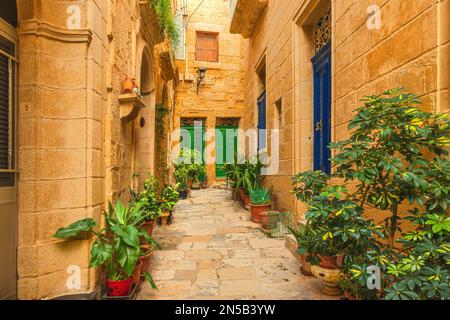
<point x="218" y="100"/>
<point x="365" y="46"/>
<point x="73" y="139"/>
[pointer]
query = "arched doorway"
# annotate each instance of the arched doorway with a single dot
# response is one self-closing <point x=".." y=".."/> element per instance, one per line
<point x="322" y="93"/>
<point x="145" y="132"/>
<point x="8" y="159"/>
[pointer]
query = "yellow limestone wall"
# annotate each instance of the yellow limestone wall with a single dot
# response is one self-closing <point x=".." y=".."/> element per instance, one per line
<point x="221" y="93"/>
<point x="411" y="49"/>
<point x="74" y="152"/>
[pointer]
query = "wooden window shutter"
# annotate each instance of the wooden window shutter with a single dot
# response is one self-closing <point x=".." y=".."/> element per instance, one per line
<point x="207" y="46"/>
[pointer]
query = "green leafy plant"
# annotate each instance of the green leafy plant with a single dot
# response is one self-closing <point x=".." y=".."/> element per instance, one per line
<point x="396" y="154"/>
<point x="163" y="9"/>
<point x="169" y="198"/>
<point x="305" y="237"/>
<point x="161" y="111"/>
<point x="117" y="247"/>
<point x="260" y="197"/>
<point x="148" y="199"/>
<point x="245" y="174"/>
<point x="387" y="154"/>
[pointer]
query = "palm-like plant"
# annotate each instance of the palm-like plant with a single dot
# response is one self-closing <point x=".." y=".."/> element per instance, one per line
<point x="117" y="247"/>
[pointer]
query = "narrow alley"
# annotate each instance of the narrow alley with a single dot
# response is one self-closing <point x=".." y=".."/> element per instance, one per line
<point x="214" y="251"/>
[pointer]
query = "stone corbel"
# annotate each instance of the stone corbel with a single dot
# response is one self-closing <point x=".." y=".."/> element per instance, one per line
<point x="130" y="106"/>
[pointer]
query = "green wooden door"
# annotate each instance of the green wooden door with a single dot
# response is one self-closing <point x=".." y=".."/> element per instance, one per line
<point x="226" y="148"/>
<point x="194" y="143"/>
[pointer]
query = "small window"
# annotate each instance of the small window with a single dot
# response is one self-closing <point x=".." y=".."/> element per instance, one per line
<point x="207" y="46"/>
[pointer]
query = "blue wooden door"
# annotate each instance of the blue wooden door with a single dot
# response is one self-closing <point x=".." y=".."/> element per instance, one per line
<point x="262" y="139"/>
<point x="322" y="109"/>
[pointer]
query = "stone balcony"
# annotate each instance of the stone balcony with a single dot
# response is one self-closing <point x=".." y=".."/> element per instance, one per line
<point x="151" y="25"/>
<point x="245" y="16"/>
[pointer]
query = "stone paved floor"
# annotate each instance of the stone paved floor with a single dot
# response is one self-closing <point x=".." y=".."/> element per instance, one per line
<point x="214" y="251"/>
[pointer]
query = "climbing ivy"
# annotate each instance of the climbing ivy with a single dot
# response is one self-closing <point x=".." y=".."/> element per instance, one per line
<point x="163" y="9"/>
<point x="161" y="112"/>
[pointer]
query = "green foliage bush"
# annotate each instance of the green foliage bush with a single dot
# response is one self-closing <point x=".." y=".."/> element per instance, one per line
<point x="163" y="9"/>
<point x="396" y="155"/>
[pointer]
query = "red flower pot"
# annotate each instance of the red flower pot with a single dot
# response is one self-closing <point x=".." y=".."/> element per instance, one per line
<point x="241" y="196"/>
<point x="246" y="201"/>
<point x="334" y="262"/>
<point x="137" y="273"/>
<point x="146" y="258"/>
<point x="119" y="288"/>
<point x="148" y="226"/>
<point x="264" y="220"/>
<point x="256" y="211"/>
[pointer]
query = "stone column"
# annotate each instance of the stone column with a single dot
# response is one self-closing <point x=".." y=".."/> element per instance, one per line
<point x="61" y="94"/>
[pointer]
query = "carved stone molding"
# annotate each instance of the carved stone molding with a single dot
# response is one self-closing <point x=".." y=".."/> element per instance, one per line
<point x="38" y="28"/>
<point x="246" y="15"/>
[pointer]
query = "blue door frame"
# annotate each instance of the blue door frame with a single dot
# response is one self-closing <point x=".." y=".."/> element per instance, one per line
<point x="322" y="109"/>
<point x="262" y="139"/>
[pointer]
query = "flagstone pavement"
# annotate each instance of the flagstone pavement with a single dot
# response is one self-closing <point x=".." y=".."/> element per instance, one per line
<point x="214" y="251"/>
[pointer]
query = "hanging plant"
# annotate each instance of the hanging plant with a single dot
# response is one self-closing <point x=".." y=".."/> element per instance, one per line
<point x="163" y="9"/>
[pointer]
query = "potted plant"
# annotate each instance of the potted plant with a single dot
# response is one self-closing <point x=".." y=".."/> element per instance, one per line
<point x="260" y="201"/>
<point x="205" y="181"/>
<point x="196" y="170"/>
<point x="145" y="255"/>
<point x="148" y="200"/>
<point x="117" y="247"/>
<point x="169" y="198"/>
<point x="181" y="172"/>
<point x="304" y="240"/>
<point x="265" y="219"/>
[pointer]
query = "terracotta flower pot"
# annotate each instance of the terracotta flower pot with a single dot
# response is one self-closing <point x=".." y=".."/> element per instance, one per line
<point x="137" y="273"/>
<point x="334" y="262"/>
<point x="119" y="288"/>
<point x="196" y="185"/>
<point x="128" y="85"/>
<point x="205" y="184"/>
<point x="148" y="226"/>
<point x="145" y="259"/>
<point x="164" y="217"/>
<point x="189" y="182"/>
<point x="256" y="211"/>
<point x="246" y="201"/>
<point x="241" y="196"/>
<point x="264" y="220"/>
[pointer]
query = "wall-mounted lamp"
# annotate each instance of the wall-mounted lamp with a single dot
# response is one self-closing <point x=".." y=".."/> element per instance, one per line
<point x="201" y="72"/>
